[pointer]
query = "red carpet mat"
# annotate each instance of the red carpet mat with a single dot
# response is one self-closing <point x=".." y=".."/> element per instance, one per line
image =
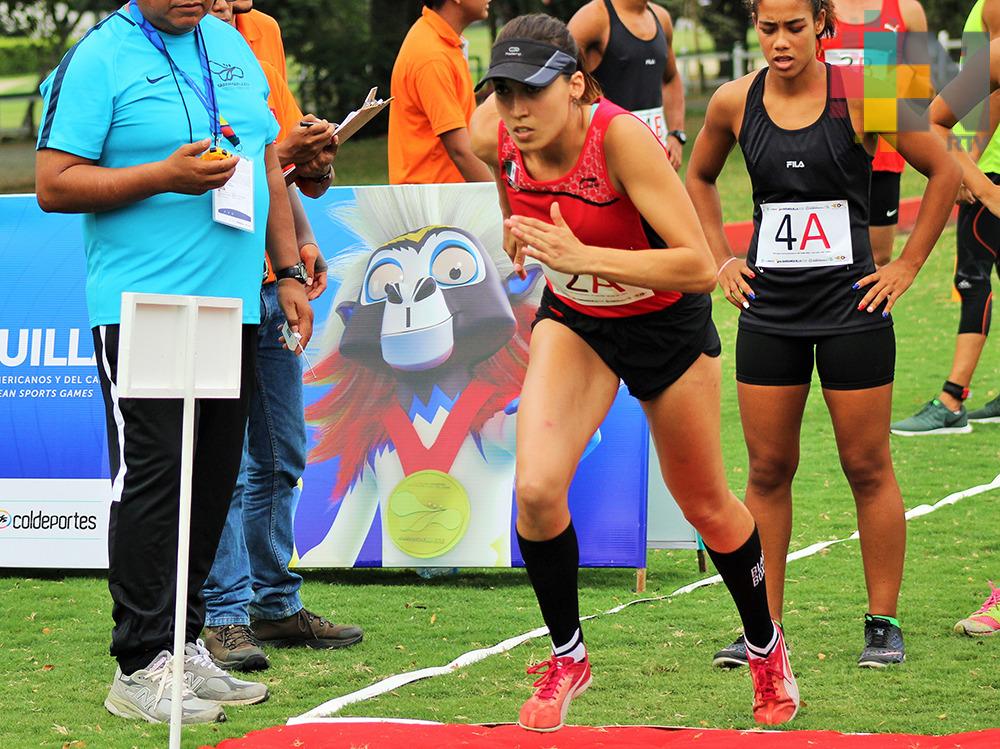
<point x="378" y="735"/>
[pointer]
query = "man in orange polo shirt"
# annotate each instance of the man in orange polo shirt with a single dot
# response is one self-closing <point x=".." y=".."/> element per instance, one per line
<point x="262" y="34"/>
<point x="428" y="121"/>
<point x="250" y="576"/>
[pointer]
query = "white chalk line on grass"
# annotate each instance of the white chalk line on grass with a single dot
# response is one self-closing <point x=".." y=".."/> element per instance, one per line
<point x="474" y="656"/>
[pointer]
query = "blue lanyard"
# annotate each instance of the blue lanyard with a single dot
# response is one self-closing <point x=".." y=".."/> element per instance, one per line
<point x="206" y="97"/>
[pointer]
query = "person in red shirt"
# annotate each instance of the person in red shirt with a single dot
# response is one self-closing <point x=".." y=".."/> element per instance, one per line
<point x="855" y="19"/>
<point x="590" y="194"/>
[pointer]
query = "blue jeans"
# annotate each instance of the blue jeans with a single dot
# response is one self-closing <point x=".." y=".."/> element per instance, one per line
<point x="250" y="574"/>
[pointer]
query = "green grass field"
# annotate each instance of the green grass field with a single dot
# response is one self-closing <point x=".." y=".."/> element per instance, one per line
<point x="652" y="660"/>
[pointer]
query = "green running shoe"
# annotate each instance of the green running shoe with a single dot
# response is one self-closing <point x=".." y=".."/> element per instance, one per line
<point x="989" y="413"/>
<point x="933" y="418"/>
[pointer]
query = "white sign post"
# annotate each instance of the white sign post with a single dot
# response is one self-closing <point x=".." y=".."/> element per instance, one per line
<point x="180" y="347"/>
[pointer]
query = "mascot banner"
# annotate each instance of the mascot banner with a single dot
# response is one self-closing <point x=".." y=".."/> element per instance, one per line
<point x="411" y="390"/>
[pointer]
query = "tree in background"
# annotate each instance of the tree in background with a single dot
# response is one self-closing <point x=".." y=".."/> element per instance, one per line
<point x="949" y="15"/>
<point x="342" y="48"/>
<point x="727" y="22"/>
<point x="55" y="25"/>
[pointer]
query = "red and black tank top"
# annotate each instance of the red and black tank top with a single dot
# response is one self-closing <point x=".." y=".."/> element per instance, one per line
<point x="597" y="214"/>
<point x="848" y="48"/>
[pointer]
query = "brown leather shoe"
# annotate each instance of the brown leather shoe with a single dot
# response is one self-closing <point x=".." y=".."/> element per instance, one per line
<point x="305" y="629"/>
<point x="234" y="648"/>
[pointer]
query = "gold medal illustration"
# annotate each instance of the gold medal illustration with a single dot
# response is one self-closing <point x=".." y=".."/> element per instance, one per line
<point x="427" y="514"/>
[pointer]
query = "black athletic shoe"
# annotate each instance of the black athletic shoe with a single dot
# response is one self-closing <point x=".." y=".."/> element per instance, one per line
<point x="732" y="656"/>
<point x="883" y="643"/>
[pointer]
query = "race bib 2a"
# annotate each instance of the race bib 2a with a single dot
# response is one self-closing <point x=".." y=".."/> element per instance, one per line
<point x="594" y="291"/>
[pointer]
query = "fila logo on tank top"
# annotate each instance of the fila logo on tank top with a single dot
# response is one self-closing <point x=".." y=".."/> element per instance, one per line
<point x="597" y="214"/>
<point x="810" y="242"/>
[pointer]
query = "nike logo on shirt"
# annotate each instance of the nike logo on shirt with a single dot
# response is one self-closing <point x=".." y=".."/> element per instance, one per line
<point x="892" y="213"/>
<point x="156" y="80"/>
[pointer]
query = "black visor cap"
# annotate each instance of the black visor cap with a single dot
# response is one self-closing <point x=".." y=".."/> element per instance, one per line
<point x="529" y="62"/>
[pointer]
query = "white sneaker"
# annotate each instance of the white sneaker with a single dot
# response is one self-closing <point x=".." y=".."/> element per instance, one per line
<point x="209" y="682"/>
<point x="146" y="694"/>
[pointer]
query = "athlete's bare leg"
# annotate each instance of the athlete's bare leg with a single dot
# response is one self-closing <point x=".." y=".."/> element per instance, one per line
<point x="772" y="421"/>
<point x="567" y="392"/>
<point x="861" y="425"/>
<point x="882" y="239"/>
<point x="968" y="349"/>
<point x="684" y="421"/>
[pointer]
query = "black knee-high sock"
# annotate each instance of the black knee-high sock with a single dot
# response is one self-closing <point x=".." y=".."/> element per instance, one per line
<point x="743" y="573"/>
<point x="552" y="568"/>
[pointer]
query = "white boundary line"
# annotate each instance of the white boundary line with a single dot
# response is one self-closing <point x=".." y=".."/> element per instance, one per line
<point x="474" y="656"/>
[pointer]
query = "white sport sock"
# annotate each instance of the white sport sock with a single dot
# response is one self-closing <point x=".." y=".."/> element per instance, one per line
<point x="574" y="649"/>
<point x="757" y="651"/>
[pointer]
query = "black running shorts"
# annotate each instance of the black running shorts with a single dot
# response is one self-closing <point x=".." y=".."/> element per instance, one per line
<point x="883" y="207"/>
<point x="648" y="352"/>
<point x="849" y="361"/>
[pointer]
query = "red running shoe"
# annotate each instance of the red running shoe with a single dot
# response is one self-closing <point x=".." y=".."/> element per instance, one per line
<point x="776" y="695"/>
<point x="561" y="680"/>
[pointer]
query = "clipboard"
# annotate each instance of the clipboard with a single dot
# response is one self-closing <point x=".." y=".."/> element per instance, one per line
<point x="357" y="119"/>
<point x="353" y="122"/>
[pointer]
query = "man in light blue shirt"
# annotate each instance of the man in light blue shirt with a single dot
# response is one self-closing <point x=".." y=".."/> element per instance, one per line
<point x="130" y="116"/>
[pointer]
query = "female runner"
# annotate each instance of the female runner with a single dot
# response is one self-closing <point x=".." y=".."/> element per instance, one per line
<point x="808" y="287"/>
<point x="589" y="192"/>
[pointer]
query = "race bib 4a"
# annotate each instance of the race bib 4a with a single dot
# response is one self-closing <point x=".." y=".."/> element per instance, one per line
<point x="804" y="235"/>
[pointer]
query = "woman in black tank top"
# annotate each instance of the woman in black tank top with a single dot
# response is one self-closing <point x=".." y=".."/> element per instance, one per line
<point x="627" y="46"/>
<point x="809" y="289"/>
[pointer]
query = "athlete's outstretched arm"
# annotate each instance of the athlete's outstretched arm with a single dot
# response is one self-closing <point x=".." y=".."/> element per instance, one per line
<point x="711" y="149"/>
<point x="637" y="166"/>
<point x="928" y="155"/>
<point x="954" y="102"/>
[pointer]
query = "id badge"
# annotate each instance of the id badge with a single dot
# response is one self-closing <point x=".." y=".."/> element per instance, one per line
<point x="804" y="235"/>
<point x="232" y="204"/>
